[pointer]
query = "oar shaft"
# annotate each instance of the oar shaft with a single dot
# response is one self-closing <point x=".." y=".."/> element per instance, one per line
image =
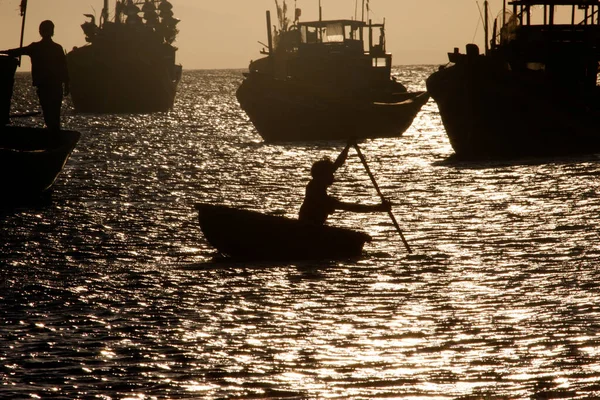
<point x="392" y="217"/>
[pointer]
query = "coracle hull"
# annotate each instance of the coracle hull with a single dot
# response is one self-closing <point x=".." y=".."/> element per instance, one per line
<point x="249" y="235"/>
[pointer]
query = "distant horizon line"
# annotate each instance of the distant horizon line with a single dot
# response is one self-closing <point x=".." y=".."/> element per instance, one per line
<point x="246" y="68"/>
<point x="232" y="68"/>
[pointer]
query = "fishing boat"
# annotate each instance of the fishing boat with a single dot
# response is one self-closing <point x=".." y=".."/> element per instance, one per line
<point x="533" y="91"/>
<point x="250" y="235"/>
<point x="326" y="80"/>
<point x="30" y="158"/>
<point x="128" y="65"/>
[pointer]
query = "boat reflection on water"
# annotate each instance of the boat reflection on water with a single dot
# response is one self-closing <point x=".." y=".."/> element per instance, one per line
<point x="129" y="64"/>
<point x="326" y="80"/>
<point x="533" y="92"/>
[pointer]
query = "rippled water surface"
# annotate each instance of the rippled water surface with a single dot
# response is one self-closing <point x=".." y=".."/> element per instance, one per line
<point x="109" y="290"/>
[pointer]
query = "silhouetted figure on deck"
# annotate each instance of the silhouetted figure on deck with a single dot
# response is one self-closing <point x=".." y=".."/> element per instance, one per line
<point x="318" y="204"/>
<point x="150" y="15"/>
<point x="119" y="10"/>
<point x="132" y="11"/>
<point x="48" y="72"/>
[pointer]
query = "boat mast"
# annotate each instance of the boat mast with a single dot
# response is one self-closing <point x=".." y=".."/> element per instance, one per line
<point x="320" y="12"/>
<point x="487" y="28"/>
<point x="104" y="16"/>
<point x="269" y="33"/>
<point x="320" y="19"/>
<point x="370" y="37"/>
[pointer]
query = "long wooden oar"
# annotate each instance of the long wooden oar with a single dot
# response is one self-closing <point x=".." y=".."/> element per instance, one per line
<point x="364" y="162"/>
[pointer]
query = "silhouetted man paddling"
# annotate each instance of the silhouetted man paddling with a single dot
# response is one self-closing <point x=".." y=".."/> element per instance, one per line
<point x="48" y="72"/>
<point x="318" y="204"/>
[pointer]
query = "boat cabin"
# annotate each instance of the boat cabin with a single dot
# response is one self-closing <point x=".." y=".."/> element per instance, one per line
<point x="344" y="53"/>
<point x="560" y="37"/>
<point x="342" y="35"/>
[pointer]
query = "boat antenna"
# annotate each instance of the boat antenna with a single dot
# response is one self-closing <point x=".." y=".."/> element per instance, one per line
<point x="23" y="14"/>
<point x="320" y="12"/>
<point x="480" y="13"/>
<point x="482" y="20"/>
<point x="363" y="11"/>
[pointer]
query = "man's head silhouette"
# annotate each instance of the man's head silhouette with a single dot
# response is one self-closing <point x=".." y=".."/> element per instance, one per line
<point x="47" y="29"/>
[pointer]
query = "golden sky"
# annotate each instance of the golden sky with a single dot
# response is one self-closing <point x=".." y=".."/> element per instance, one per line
<point x="225" y="33"/>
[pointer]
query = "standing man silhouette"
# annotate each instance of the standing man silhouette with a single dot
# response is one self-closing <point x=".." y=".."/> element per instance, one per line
<point x="48" y="72"/>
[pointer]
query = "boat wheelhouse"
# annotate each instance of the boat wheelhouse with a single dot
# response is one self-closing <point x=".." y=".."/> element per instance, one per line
<point x="331" y="53"/>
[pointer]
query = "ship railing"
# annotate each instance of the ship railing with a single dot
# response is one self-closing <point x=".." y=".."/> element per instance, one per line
<point x="589" y="19"/>
<point x="562" y="33"/>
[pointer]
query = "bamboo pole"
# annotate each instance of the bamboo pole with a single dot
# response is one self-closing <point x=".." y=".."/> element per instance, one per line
<point x="364" y="162"/>
<point x="24" y="15"/>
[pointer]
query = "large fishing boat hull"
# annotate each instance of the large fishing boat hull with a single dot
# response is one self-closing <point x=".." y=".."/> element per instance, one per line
<point x="121" y="81"/>
<point x="31" y="159"/>
<point x="249" y="235"/>
<point x="491" y="111"/>
<point x="285" y="111"/>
